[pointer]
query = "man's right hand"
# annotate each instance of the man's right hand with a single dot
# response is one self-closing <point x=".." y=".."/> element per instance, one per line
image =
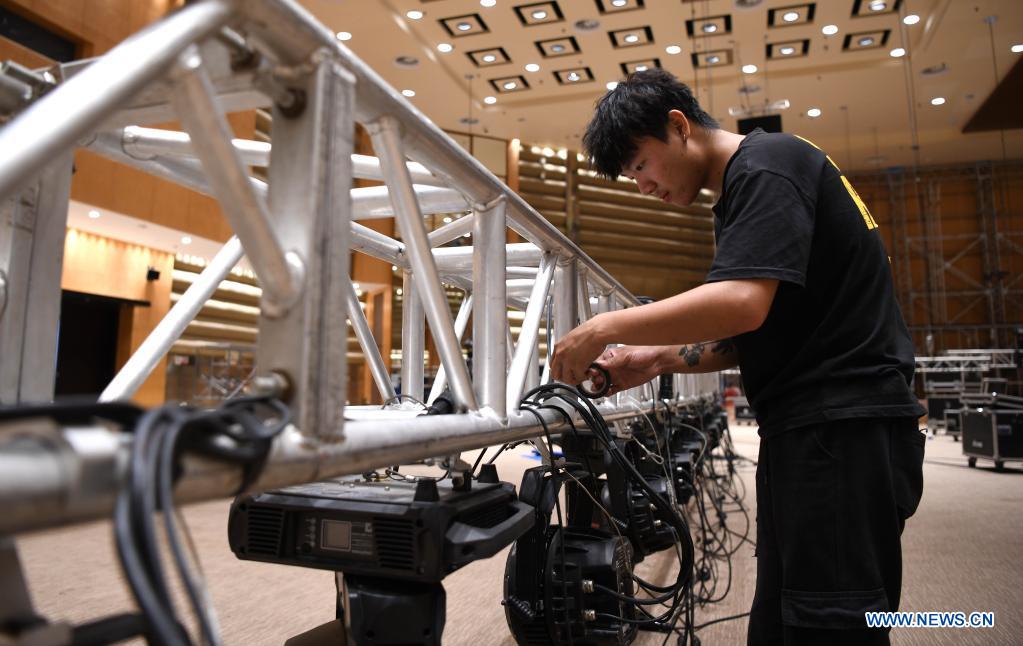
<point x="631" y="365"/>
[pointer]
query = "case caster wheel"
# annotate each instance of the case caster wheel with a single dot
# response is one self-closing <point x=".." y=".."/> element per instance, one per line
<point x="972" y="463"/>
<point x="999" y="465"/>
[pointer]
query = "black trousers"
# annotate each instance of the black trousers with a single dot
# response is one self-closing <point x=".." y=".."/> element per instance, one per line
<point x="832" y="500"/>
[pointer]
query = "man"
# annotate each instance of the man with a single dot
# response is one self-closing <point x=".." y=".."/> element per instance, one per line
<point x="800" y="297"/>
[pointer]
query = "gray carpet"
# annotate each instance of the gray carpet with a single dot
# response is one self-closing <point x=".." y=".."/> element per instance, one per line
<point x="963" y="551"/>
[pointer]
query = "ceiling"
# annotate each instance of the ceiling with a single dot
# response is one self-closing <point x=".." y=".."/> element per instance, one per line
<point x="870" y="116"/>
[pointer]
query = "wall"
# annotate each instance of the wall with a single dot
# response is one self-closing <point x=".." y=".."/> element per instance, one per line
<point x="97" y="265"/>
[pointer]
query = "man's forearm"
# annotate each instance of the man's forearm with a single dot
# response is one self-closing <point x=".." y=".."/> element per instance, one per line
<point x="709" y="356"/>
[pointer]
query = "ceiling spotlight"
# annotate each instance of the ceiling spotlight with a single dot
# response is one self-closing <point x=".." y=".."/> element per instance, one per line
<point x="938" y="100"/>
<point x="611" y="85"/>
<point x="489" y="58"/>
<point x="548" y="152"/>
<point x="572" y="76"/>
<point x="673" y="49"/>
<point x="532" y="67"/>
<point x="911" y="19"/>
<point x="557" y="48"/>
<point x="510" y="85"/>
<point x="790" y="16"/>
<point x="463" y="26"/>
<point x="344" y="35"/>
<point x="713" y="59"/>
<point x="813" y="113"/>
<point x="631" y="38"/>
<point x="749" y="69"/>
<point x="186" y="240"/>
<point x="641" y="68"/>
<point x="539" y="14"/>
<point x="866" y="41"/>
<point x="877" y="5"/>
<point x="408" y="93"/>
<point x="1016" y="49"/>
<point x="787" y="51"/>
<point x="619" y="3"/>
<point x="898" y="52"/>
<point x="444" y="48"/>
<point x="94" y="214"/>
<point x="488" y="3"/>
<point x="490" y="100"/>
<point x="829" y="30"/>
<point x="413" y="15"/>
<point x="709" y="28"/>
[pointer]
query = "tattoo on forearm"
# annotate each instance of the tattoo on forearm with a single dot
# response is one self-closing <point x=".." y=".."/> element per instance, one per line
<point x="724" y="346"/>
<point x="691" y="353"/>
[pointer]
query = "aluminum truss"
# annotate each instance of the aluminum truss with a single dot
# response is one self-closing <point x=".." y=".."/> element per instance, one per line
<point x="297" y="229"/>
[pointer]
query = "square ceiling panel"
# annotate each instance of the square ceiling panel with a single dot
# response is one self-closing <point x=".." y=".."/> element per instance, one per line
<point x="788" y="49"/>
<point x="618" y="6"/>
<point x="554" y="47"/>
<point x="865" y="40"/>
<point x="800" y="14"/>
<point x="488" y="57"/>
<point x="539" y="13"/>
<point x="574" y="76"/>
<point x="712" y="58"/>
<point x="709" y="26"/>
<point x="631" y="37"/>
<point x="467" y="25"/>
<point x="628" y="67"/>
<point x="863" y="8"/>
<point x="507" y="84"/>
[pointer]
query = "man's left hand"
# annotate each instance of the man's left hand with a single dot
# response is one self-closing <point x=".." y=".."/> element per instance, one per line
<point x="574" y="353"/>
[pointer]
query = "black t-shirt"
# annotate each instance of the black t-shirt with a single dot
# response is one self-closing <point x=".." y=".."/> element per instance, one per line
<point x="834" y="344"/>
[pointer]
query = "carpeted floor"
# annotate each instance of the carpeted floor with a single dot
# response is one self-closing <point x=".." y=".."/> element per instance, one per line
<point x="963" y="551"/>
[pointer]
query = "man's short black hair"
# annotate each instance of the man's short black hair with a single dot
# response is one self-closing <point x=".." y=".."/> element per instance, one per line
<point x="638" y="107"/>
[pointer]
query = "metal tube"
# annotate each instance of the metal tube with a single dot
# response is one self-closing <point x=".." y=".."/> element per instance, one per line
<point x="440" y="382"/>
<point x="460" y="258"/>
<point x="585" y="311"/>
<point x="378" y="245"/>
<point x="566" y="303"/>
<point x="451" y="231"/>
<point x="387" y="143"/>
<point x="281" y="273"/>
<point x="526" y="348"/>
<point x="73" y="109"/>
<point x="490" y="323"/>
<point x="374" y="202"/>
<point x="173" y="325"/>
<point x="368" y="343"/>
<point x="413" y="339"/>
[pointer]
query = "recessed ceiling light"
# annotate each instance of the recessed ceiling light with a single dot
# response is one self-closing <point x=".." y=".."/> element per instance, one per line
<point x="489" y="58"/>
<point x="938" y="100"/>
<point x="866" y="41"/>
<point x="532" y="67"/>
<point x="619" y="3"/>
<point x="641" y="68"/>
<point x="631" y="38"/>
<point x="510" y="85"/>
<point x="898" y="52"/>
<point x="94" y="214"/>
<point x="673" y="49"/>
<point x="790" y="16"/>
<point x="558" y="48"/>
<point x="489" y="100"/>
<point x="408" y="93"/>
<point x="787" y="51"/>
<point x="829" y="30"/>
<point x="464" y="26"/>
<point x="611" y="85"/>
<point x="710" y="28"/>
<point x="344" y="35"/>
<point x="413" y="15"/>
<point x="749" y="69"/>
<point x="713" y="59"/>
<point x="488" y="3"/>
<point x="1017" y="48"/>
<point x="911" y="19"/>
<point x="813" y="113"/>
<point x="444" y="48"/>
<point x="186" y="240"/>
<point x="572" y="76"/>
<point x="539" y="14"/>
<point x="877" y="5"/>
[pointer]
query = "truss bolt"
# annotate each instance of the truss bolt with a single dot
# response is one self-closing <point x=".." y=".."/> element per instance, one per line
<point x="587" y="585"/>
<point x="590" y="615"/>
